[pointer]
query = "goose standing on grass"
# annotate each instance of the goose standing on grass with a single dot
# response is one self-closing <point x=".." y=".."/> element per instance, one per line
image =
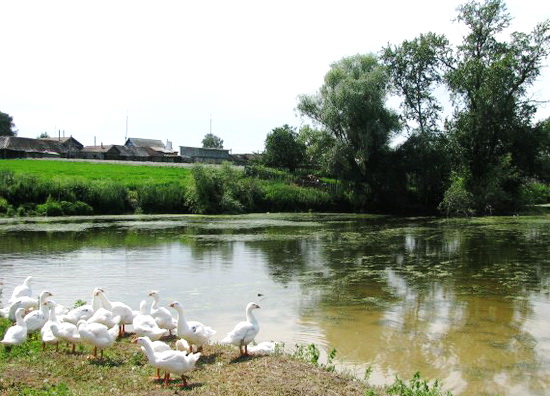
<point x="158" y="346"/>
<point x="171" y="361"/>
<point x="36" y="319"/>
<point x="193" y="332"/>
<point x="22" y="290"/>
<point x="67" y="332"/>
<point x="16" y="334"/>
<point x="244" y="332"/>
<point x="145" y="326"/>
<point x="48" y="337"/>
<point x="98" y="335"/>
<point x="27" y="303"/>
<point x="118" y="308"/>
<point x="101" y="314"/>
<point x="162" y="315"/>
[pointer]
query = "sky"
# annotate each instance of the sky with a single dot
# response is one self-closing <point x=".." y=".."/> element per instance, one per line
<point x="102" y="71"/>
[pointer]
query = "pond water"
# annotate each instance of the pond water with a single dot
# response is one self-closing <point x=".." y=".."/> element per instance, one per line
<point x="464" y="301"/>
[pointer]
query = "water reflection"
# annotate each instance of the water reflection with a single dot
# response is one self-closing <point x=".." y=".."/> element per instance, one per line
<point x="466" y="301"/>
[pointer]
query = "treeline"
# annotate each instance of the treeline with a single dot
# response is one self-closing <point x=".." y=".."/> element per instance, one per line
<point x="211" y="190"/>
<point x="487" y="157"/>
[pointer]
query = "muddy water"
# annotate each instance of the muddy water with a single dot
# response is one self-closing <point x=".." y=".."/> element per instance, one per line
<point x="464" y="301"/>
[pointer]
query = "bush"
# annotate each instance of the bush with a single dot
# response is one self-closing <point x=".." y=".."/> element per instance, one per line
<point x="457" y="201"/>
<point x="165" y="198"/>
<point x="4" y="206"/>
<point x="535" y="193"/>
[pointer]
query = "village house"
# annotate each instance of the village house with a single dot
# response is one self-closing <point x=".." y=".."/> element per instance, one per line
<point x="20" y="147"/>
<point x="205" y="155"/>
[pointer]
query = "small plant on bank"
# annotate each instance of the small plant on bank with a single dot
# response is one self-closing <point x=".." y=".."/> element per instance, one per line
<point x="311" y="354"/>
<point x="416" y="386"/>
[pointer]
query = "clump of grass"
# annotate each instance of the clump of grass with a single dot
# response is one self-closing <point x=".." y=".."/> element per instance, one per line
<point x="416" y="386"/>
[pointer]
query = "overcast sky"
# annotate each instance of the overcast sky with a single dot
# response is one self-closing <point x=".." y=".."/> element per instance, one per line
<point x="176" y="70"/>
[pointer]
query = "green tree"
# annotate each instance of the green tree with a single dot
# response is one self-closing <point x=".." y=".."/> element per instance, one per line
<point x="7" y="127"/>
<point x="488" y="81"/>
<point x="351" y="106"/>
<point x="212" y="141"/>
<point x="319" y="148"/>
<point x="44" y="135"/>
<point x="282" y="148"/>
<point x="416" y="69"/>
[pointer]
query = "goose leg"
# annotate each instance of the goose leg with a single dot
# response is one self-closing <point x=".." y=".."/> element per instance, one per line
<point x="183" y="381"/>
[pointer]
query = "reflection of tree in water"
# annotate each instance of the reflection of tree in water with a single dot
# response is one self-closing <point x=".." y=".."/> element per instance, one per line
<point x="436" y="289"/>
<point x="286" y="259"/>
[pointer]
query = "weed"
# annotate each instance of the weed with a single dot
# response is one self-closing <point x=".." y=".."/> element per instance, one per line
<point x="416" y="386"/>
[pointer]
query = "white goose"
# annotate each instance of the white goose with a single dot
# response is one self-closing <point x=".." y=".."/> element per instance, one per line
<point x="171" y="361"/>
<point x="145" y="326"/>
<point x="36" y="319"/>
<point x="102" y="314"/>
<point x="158" y="346"/>
<point x="16" y="334"/>
<point x="98" y="335"/>
<point x="244" y="332"/>
<point x="48" y="337"/>
<point x="74" y="315"/>
<point x="193" y="332"/>
<point x="67" y="332"/>
<point x="22" y="290"/>
<point x="162" y="315"/>
<point x="118" y="308"/>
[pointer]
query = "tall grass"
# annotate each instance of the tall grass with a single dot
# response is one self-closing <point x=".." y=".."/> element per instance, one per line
<point x="203" y="190"/>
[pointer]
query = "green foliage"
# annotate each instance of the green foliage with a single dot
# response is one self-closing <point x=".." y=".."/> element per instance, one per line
<point x="212" y="141"/>
<point x="283" y="149"/>
<point x="416" y="386"/>
<point x="220" y="190"/>
<point x="457" y="201"/>
<point x="416" y="69"/>
<point x="54" y="207"/>
<point x="291" y="198"/>
<point x="319" y="145"/>
<point x="534" y="192"/>
<point x="7" y="127"/>
<point x="351" y="106"/>
<point x="4" y="206"/>
<point x="489" y="81"/>
<point x="311" y="354"/>
<point x="164" y="198"/>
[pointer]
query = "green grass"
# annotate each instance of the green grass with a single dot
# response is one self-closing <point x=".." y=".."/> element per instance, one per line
<point x="128" y="175"/>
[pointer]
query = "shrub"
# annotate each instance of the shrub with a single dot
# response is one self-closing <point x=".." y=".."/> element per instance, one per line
<point x="457" y="201"/>
<point x="534" y="192"/>
<point x="4" y="206"/>
<point x="163" y="198"/>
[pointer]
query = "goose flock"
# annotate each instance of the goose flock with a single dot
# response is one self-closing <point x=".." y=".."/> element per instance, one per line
<point x="100" y="323"/>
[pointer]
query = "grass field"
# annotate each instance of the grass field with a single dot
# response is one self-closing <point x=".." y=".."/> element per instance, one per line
<point x="125" y="174"/>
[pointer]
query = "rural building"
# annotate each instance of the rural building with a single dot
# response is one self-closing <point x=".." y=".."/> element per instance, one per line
<point x="20" y="147"/>
<point x="207" y="155"/>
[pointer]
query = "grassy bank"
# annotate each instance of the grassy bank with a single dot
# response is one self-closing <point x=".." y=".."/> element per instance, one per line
<point x="27" y="370"/>
<point x="55" y="188"/>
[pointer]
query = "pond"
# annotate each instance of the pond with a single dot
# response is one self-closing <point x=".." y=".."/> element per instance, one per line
<point x="465" y="301"/>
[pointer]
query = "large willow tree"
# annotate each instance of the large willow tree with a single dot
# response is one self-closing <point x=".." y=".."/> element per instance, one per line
<point x="351" y="106"/>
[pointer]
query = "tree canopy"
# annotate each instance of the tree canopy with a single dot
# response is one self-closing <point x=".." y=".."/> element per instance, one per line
<point x="283" y="149"/>
<point x="7" y="127"/>
<point x="351" y="106"/>
<point x="212" y="141"/>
